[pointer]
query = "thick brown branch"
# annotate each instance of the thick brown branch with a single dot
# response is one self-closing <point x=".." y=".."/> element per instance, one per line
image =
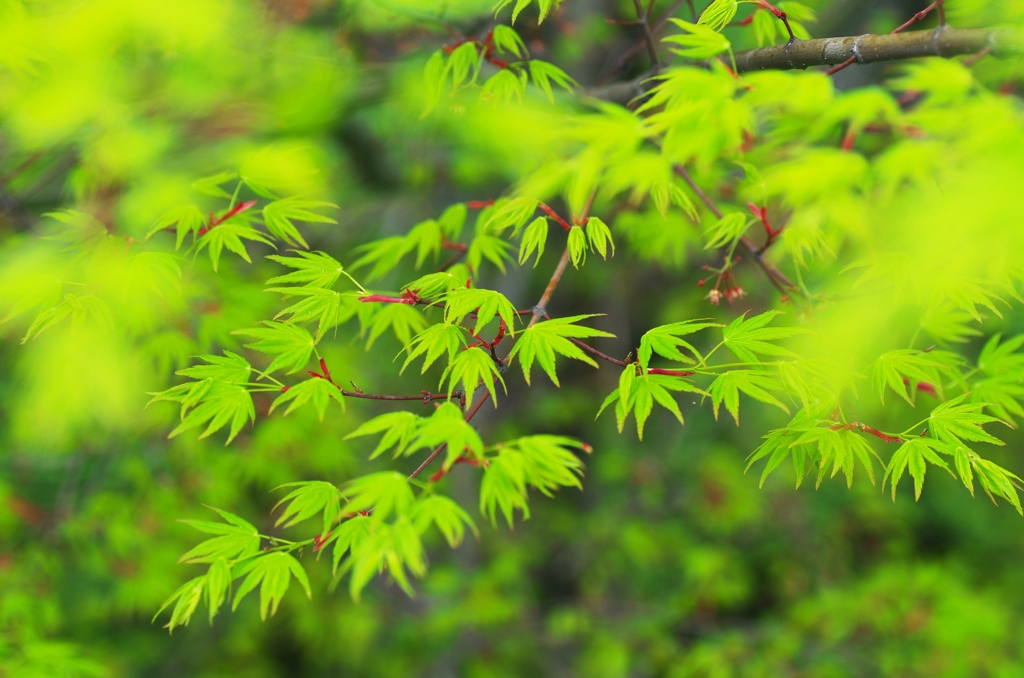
<point x="866" y="49"/>
<point x="946" y="42"/>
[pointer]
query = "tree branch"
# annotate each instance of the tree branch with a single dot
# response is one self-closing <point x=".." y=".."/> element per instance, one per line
<point x="440" y="448"/>
<point x="652" y="50"/>
<point x="799" y="54"/>
<point x="425" y="397"/>
<point x="866" y="49"/>
<point x="775" y="276"/>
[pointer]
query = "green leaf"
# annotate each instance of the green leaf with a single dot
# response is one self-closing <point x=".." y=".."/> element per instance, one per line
<point x="349" y="537"/>
<point x="897" y="369"/>
<point x="385" y="255"/>
<point x="449" y="518"/>
<point x="229" y="368"/>
<point x="425" y="238"/>
<point x="726" y="388"/>
<point x="395" y="547"/>
<point x="462" y="61"/>
<point x="79" y="308"/>
<point x="436" y="286"/>
<point x="718" y="14"/>
<point x="158" y="271"/>
<point x="385" y="493"/>
<point x="545" y="8"/>
<point x="840" y="448"/>
<point x="780" y="444"/>
<point x="543" y="74"/>
<point x="86" y="234"/>
<point x="447" y="426"/>
<point x="473" y="367"/>
<point x="273" y="573"/>
<point x="218" y="583"/>
<point x="727" y="230"/>
<point x="434" y="78"/>
<point x="956" y="420"/>
<point x="188" y="219"/>
<point x="1001" y="397"/>
<point x="307" y="500"/>
<point x="312" y="269"/>
<point x="222" y="404"/>
<point x="229" y="546"/>
<point x="535" y="237"/>
<point x="211" y="185"/>
<point x="638" y="394"/>
<point x="666" y="340"/>
<point x="433" y="342"/>
<point x="600" y="237"/>
<point x="279" y="215"/>
<point x="229" y="235"/>
<point x="327" y="307"/>
<point x="489" y="247"/>
<point x="548" y="337"/>
<point x="487" y="304"/>
<point x="1003" y="360"/>
<point x="398" y="428"/>
<point x="577" y="246"/>
<point x="292" y="345"/>
<point x="510" y="213"/>
<point x="912" y="455"/>
<point x="699" y="42"/>
<point x="235" y="539"/>
<point x="748" y="337"/>
<point x="996" y="480"/>
<point x="452" y="220"/>
<point x="507" y="40"/>
<point x="186" y="600"/>
<point x="403" y="320"/>
<point x="318" y="391"/>
<point x="544" y="462"/>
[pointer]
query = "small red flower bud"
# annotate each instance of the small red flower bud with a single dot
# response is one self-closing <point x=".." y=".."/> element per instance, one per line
<point x="700" y="283"/>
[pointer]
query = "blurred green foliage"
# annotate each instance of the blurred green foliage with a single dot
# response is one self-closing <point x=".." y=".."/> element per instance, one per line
<point x="123" y="124"/>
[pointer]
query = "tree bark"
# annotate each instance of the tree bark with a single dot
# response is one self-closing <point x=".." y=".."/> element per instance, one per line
<point x="866" y="49"/>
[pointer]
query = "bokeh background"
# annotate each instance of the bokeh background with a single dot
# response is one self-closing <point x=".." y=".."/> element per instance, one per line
<point x="671" y="562"/>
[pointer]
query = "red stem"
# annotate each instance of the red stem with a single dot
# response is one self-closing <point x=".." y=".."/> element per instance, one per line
<point x="780" y="15"/>
<point x="554" y="215"/>
<point x="237" y="209"/>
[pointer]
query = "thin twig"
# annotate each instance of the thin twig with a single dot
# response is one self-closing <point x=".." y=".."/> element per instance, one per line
<point x="632" y="51"/>
<point x="779" y="14"/>
<point x="970" y="61"/>
<point x="425" y="396"/>
<point x="451" y="262"/>
<point x="540" y="310"/>
<point x="442" y="446"/>
<point x="28" y="162"/>
<point x="541" y="307"/>
<point x="775" y="276"/>
<point x="599" y="354"/>
<point x="920" y="16"/>
<point x="652" y="50"/>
